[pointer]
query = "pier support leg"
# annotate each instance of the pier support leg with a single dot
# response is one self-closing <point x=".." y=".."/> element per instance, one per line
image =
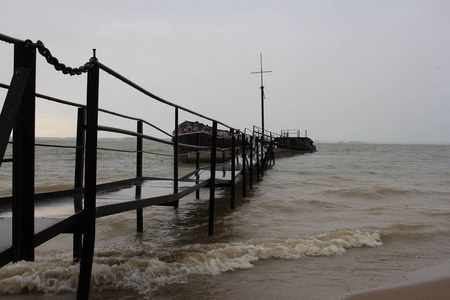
<point x="262" y="155"/>
<point x="139" y="148"/>
<point x="139" y="211"/>
<point x="233" y="169"/>
<point x="244" y="167"/>
<point x="251" y="162"/>
<point x="79" y="176"/>
<point x="212" y="180"/>
<point x="23" y="159"/>
<point x="175" y="158"/>
<point x="258" y="163"/>
<point x="197" y="164"/>
<point x="84" y="278"/>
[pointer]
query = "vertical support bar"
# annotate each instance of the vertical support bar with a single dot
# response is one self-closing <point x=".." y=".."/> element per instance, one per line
<point x="197" y="163"/>
<point x="84" y="279"/>
<point x="251" y="162"/>
<point x="79" y="154"/>
<point x="257" y="160"/>
<point x="233" y="169"/>
<point x="79" y="176"/>
<point x="262" y="155"/>
<point x="139" y="146"/>
<point x="139" y="143"/>
<point x="212" y="180"/>
<point x="175" y="158"/>
<point x="139" y="211"/>
<point x="223" y="150"/>
<point x="273" y="157"/>
<point x="244" y="166"/>
<point x="23" y="159"/>
<point x="237" y="150"/>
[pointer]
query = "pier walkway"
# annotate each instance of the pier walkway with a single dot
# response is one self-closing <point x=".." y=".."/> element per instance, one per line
<point x="55" y="213"/>
<point x="28" y="220"/>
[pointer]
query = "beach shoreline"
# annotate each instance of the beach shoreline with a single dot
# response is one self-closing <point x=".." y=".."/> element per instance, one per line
<point x="429" y="283"/>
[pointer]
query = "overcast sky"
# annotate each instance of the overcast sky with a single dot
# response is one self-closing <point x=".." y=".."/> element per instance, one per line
<point x="374" y="71"/>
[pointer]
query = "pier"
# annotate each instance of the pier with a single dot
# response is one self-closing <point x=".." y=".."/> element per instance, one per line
<point x="240" y="156"/>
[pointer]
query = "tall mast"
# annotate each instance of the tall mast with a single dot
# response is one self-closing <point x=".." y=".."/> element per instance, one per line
<point x="262" y="93"/>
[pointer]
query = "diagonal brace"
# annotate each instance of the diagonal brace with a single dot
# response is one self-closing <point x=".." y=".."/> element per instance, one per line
<point x="11" y="106"/>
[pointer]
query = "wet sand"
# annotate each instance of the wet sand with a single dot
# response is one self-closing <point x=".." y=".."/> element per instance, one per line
<point x="430" y="283"/>
<point x="435" y="290"/>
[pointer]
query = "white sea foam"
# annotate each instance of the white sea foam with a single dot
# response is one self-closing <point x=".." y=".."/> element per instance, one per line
<point x="129" y="268"/>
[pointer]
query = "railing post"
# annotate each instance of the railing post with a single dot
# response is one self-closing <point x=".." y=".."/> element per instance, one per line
<point x="212" y="180"/>
<point x="251" y="162"/>
<point x="244" y="166"/>
<point x="79" y="176"/>
<point x="224" y="159"/>
<point x="23" y="159"/>
<point x="79" y="152"/>
<point x="237" y="148"/>
<point x="175" y="158"/>
<point x="139" y="148"/>
<point x="84" y="279"/>
<point x="197" y="163"/>
<point x="233" y="169"/>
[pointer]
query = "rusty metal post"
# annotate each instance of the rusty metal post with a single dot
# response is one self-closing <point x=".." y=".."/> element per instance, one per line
<point x="23" y="159"/>
<point x="233" y="169"/>
<point x="175" y="158"/>
<point x="84" y="279"/>
<point x="139" y="148"/>
<point x="244" y="166"/>
<point x="79" y="176"/>
<point x="212" y="180"/>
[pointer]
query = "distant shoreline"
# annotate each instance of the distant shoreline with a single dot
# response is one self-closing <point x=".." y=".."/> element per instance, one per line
<point x="316" y="142"/>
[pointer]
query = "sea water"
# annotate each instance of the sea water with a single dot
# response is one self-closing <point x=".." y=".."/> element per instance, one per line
<point x="318" y="226"/>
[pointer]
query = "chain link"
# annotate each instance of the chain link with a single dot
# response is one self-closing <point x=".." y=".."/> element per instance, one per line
<point x="51" y="59"/>
<point x="60" y="66"/>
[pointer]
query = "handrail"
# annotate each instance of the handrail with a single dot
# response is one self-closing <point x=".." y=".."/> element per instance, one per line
<point x="144" y="91"/>
<point x="53" y="99"/>
<point x="9" y="39"/>
<point x="5" y="86"/>
<point x="134" y="119"/>
<point x="132" y="133"/>
<point x="132" y="151"/>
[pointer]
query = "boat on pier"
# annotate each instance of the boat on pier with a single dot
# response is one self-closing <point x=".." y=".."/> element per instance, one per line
<point x="195" y="139"/>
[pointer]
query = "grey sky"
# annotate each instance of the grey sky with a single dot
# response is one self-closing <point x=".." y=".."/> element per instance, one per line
<point x="375" y="71"/>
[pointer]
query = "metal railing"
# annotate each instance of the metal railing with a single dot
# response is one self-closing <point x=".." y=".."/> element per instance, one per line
<point x="19" y="113"/>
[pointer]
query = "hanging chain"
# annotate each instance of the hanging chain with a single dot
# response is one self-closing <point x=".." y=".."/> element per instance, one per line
<point x="51" y="59"/>
<point x="60" y="66"/>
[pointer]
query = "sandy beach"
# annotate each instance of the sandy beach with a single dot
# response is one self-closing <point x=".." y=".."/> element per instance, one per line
<point x="431" y="283"/>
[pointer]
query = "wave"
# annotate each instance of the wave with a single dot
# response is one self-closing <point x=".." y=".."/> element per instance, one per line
<point x="411" y="231"/>
<point x="377" y="192"/>
<point x="135" y="269"/>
